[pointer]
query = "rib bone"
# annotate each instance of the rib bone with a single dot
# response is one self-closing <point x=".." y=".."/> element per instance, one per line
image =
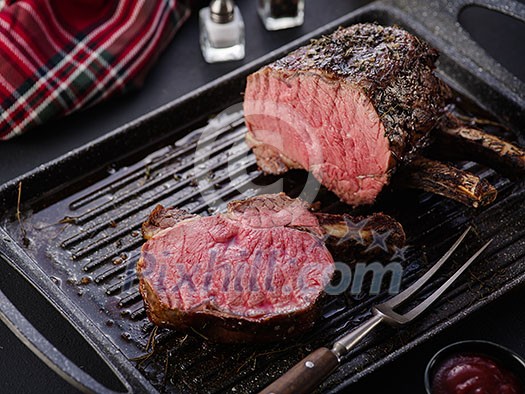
<point x="455" y="140"/>
<point x="448" y="181"/>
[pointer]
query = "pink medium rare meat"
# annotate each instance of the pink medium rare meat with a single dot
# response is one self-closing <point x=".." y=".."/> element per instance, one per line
<point x="348" y="107"/>
<point x="255" y="273"/>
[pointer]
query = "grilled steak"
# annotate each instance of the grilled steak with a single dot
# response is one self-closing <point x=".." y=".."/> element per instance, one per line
<point x="255" y="273"/>
<point x="348" y="107"/>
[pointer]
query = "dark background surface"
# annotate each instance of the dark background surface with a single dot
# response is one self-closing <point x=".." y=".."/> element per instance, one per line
<point x="179" y="71"/>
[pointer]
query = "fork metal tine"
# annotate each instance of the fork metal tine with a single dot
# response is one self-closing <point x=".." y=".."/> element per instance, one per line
<point x="415" y="312"/>
<point x="405" y="294"/>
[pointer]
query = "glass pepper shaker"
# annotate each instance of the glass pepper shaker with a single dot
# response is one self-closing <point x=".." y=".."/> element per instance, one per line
<point x="281" y="14"/>
<point x="221" y="32"/>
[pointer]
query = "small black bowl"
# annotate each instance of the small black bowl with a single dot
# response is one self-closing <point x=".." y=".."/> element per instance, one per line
<point x="503" y="356"/>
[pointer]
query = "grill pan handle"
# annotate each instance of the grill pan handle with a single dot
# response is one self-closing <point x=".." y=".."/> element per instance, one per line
<point x="502" y="91"/>
<point x="508" y="7"/>
<point x="47" y="352"/>
<point x="448" y="10"/>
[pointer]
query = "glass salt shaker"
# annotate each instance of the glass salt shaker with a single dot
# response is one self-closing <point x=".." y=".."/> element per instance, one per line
<point x="281" y="14"/>
<point x="221" y="32"/>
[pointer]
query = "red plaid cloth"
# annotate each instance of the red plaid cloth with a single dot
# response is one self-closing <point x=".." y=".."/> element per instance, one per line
<point x="57" y="56"/>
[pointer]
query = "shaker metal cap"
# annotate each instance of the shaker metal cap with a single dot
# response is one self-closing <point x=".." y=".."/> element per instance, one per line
<point x="221" y="11"/>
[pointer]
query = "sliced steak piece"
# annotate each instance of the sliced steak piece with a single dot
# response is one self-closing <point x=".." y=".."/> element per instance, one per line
<point x="255" y="273"/>
<point x="348" y="107"/>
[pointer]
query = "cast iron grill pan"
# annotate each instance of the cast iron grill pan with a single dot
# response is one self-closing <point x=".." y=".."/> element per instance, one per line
<point x="84" y="237"/>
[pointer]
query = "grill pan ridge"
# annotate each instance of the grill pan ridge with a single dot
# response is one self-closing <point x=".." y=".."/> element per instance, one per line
<point x="85" y="235"/>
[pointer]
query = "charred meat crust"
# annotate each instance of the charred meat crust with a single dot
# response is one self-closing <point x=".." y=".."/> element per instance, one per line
<point x="292" y="213"/>
<point x="394" y="69"/>
<point x="225" y="328"/>
<point x="272" y="202"/>
<point x="161" y="218"/>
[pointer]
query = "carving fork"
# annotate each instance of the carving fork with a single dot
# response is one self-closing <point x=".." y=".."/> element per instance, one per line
<point x="306" y="375"/>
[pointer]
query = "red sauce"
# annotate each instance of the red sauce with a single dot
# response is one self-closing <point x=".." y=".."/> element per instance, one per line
<point x="474" y="374"/>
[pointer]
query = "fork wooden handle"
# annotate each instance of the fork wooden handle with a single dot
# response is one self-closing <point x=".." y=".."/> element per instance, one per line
<point x="306" y="375"/>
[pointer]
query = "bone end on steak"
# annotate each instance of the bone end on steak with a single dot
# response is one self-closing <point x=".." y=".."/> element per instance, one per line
<point x="362" y="227"/>
<point x="448" y="181"/>
<point x="353" y="237"/>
